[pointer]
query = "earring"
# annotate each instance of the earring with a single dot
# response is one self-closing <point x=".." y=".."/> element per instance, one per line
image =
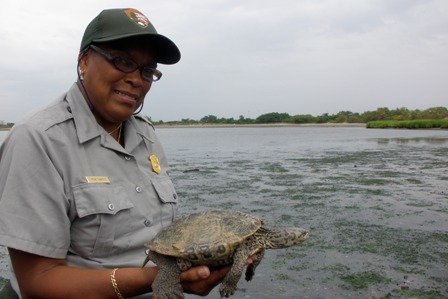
<point x="81" y="74"/>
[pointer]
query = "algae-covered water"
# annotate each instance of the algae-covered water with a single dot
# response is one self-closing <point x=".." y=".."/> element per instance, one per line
<point x="375" y="201"/>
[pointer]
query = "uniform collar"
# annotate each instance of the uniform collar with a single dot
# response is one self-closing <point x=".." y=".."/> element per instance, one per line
<point x="87" y="128"/>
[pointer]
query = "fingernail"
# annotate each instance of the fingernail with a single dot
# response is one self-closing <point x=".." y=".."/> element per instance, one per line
<point x="203" y="272"/>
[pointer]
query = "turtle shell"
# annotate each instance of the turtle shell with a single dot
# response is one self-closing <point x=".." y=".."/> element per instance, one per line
<point x="208" y="237"/>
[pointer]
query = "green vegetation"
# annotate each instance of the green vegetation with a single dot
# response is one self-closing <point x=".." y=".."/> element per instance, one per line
<point x="409" y="124"/>
<point x="436" y="117"/>
<point x="363" y="280"/>
<point x="380" y="114"/>
<point x="5" y="125"/>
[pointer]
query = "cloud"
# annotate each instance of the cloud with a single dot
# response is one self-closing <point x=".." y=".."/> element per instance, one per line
<point x="245" y="58"/>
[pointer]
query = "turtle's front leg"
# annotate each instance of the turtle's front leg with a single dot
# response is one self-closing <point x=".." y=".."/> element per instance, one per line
<point x="240" y="256"/>
<point x="166" y="285"/>
<point x="229" y="283"/>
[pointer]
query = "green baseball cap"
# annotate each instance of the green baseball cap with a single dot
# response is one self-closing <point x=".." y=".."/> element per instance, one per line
<point x="116" y="24"/>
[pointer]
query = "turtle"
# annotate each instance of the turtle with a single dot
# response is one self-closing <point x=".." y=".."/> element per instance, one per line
<point x="214" y="238"/>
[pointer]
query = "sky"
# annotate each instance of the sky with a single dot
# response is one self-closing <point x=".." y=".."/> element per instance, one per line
<point x="243" y="57"/>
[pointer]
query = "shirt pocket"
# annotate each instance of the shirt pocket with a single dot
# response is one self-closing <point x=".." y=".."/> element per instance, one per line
<point x="168" y="198"/>
<point x="103" y="216"/>
<point x="165" y="190"/>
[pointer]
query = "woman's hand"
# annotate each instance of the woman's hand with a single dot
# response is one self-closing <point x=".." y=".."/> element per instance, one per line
<point x="200" y="280"/>
<point x="44" y="277"/>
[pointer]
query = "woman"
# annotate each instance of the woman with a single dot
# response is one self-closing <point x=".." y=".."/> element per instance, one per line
<point x="84" y="182"/>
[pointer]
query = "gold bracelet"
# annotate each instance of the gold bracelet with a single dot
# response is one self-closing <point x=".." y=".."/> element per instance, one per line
<point x="114" y="283"/>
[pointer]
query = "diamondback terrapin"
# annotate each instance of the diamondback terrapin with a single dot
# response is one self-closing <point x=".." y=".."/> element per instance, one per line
<point x="214" y="238"/>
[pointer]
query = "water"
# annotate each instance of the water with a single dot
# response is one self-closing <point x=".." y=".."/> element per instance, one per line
<point x="280" y="143"/>
<point x="374" y="200"/>
<point x="4" y="266"/>
<point x="3" y="136"/>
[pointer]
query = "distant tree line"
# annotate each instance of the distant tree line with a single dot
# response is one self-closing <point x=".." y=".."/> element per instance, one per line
<point x="379" y="114"/>
<point x="4" y="125"/>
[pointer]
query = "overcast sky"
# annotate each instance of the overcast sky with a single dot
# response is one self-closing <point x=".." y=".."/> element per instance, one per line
<point x="244" y="57"/>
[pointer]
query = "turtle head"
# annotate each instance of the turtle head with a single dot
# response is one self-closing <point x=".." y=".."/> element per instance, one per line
<point x="281" y="237"/>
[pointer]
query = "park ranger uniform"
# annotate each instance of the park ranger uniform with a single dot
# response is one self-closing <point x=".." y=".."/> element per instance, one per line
<point x="68" y="190"/>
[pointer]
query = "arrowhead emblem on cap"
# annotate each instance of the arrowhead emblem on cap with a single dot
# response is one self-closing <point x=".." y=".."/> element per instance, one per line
<point x="137" y="17"/>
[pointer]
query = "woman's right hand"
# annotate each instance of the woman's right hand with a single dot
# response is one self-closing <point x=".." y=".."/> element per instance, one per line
<point x="200" y="280"/>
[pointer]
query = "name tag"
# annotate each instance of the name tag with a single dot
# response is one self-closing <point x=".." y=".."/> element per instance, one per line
<point x="97" y="180"/>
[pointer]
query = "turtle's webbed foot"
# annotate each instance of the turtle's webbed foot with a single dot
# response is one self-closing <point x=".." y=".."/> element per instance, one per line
<point x="227" y="290"/>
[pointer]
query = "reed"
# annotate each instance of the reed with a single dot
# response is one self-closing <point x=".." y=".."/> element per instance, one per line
<point x="409" y="124"/>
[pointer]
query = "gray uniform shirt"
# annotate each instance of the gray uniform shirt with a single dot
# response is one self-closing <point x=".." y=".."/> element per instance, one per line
<point x="68" y="190"/>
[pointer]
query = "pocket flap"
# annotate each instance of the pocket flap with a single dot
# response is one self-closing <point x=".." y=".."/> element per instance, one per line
<point x="165" y="190"/>
<point x="100" y="199"/>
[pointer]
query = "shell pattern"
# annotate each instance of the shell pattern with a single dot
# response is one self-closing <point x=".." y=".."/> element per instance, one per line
<point x="206" y="238"/>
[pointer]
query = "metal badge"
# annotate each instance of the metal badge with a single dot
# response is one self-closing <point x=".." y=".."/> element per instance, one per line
<point x="155" y="163"/>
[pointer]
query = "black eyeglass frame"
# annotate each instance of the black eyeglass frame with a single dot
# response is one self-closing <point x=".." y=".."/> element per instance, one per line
<point x="155" y="73"/>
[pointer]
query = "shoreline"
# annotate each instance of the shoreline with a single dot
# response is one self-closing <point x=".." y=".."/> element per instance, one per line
<point x="192" y="126"/>
<point x="325" y="125"/>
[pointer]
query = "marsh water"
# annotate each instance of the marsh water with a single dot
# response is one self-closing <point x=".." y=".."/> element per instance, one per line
<point x="375" y="201"/>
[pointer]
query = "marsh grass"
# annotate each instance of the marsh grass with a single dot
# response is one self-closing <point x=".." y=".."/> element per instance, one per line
<point x="409" y="124"/>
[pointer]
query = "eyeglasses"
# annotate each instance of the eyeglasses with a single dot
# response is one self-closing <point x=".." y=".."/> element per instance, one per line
<point x="127" y="65"/>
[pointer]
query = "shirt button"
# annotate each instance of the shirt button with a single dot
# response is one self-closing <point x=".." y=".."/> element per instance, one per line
<point x="147" y="222"/>
<point x="111" y="207"/>
<point x="138" y="189"/>
<point x="127" y="158"/>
